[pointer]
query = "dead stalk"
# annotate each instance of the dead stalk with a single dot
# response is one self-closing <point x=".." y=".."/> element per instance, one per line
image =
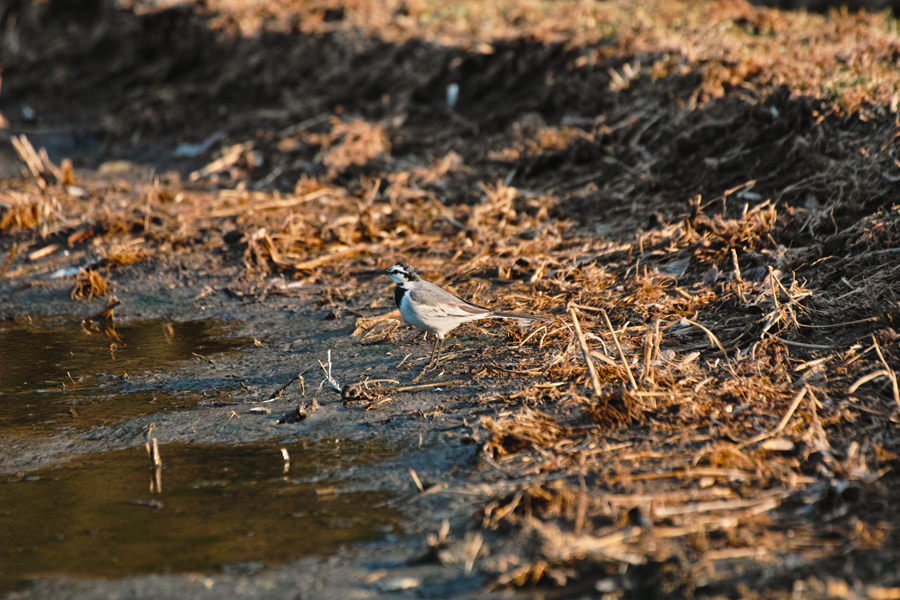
<point x="156" y="462"/>
<point x="710" y="335"/>
<point x="657" y="338"/>
<point x="781" y="425"/>
<point x="700" y="507"/>
<point x="582" y="507"/>
<point x="772" y="280"/>
<point x="416" y="480"/>
<point x="737" y="267"/>
<point x="866" y="379"/>
<point x="299" y="376"/>
<point x="604" y="359"/>
<point x="634" y="386"/>
<point x="329" y="379"/>
<point x="28" y="155"/>
<point x="595" y="381"/>
<point x="801" y="344"/>
<point x="890" y="372"/>
<point x="648" y="350"/>
<point x="651" y="346"/>
<point x="427" y="386"/>
<point x="9" y="259"/>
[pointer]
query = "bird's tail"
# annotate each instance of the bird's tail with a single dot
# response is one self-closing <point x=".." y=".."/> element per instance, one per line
<point x="522" y="316"/>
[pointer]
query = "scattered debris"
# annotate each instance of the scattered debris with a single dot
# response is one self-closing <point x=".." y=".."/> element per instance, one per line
<point x="89" y="284"/>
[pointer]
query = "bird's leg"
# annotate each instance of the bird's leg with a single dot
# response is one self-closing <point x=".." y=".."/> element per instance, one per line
<point x="435" y="357"/>
<point x="436" y="352"/>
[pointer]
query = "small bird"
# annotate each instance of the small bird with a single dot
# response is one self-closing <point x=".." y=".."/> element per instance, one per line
<point x="424" y="305"/>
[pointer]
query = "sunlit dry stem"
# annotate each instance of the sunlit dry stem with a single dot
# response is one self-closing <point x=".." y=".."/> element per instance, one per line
<point x="801" y="344"/>
<point x="717" y="505"/>
<point x="709" y="334"/>
<point x="287" y="459"/>
<point x="595" y="381"/>
<point x="605" y="359"/>
<point x="737" y="267"/>
<point x="472" y="548"/>
<point x="426" y="386"/>
<point x="890" y="372"/>
<point x="772" y="281"/>
<point x="648" y="350"/>
<point x="416" y="480"/>
<point x="9" y="259"/>
<point x="651" y="347"/>
<point x="328" y="377"/>
<point x="581" y="512"/>
<point x="844" y="324"/>
<point x="621" y="353"/>
<point x="31" y="159"/>
<point x="156" y="459"/>
<point x="657" y="338"/>
<point x="299" y="376"/>
<point x="816" y="425"/>
<point x="532" y="334"/>
<point x="866" y="379"/>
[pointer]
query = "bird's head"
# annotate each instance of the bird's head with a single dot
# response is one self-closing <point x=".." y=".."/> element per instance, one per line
<point x="402" y="274"/>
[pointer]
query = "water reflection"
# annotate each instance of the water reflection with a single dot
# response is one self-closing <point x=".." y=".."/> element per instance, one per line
<point x="219" y="505"/>
<point x="57" y="374"/>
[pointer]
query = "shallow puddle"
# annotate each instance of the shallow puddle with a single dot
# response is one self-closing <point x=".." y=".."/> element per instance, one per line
<point x="220" y="507"/>
<point x="56" y="375"/>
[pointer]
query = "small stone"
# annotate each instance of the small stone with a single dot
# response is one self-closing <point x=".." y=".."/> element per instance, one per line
<point x="778" y="445"/>
<point x="606" y="585"/>
<point x="398" y="584"/>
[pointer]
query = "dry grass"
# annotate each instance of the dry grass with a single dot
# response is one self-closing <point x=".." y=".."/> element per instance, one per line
<point x="700" y="409"/>
<point x="89" y="284"/>
<point x="353" y="142"/>
<point x="21" y="211"/>
<point x="123" y="255"/>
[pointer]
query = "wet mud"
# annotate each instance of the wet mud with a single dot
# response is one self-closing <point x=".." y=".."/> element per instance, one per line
<point x="221" y="407"/>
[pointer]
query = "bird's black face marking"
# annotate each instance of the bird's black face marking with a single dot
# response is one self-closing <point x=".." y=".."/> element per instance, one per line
<point x="402" y="273"/>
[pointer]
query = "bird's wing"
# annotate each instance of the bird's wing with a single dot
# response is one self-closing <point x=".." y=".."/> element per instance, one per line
<point x="442" y="303"/>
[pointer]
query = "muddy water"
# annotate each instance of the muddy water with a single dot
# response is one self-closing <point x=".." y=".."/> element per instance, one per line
<point x="220" y="507"/>
<point x="54" y="374"/>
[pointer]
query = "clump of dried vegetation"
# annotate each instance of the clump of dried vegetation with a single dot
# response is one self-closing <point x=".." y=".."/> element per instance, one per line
<point x="89" y="284"/>
<point x="730" y="252"/>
